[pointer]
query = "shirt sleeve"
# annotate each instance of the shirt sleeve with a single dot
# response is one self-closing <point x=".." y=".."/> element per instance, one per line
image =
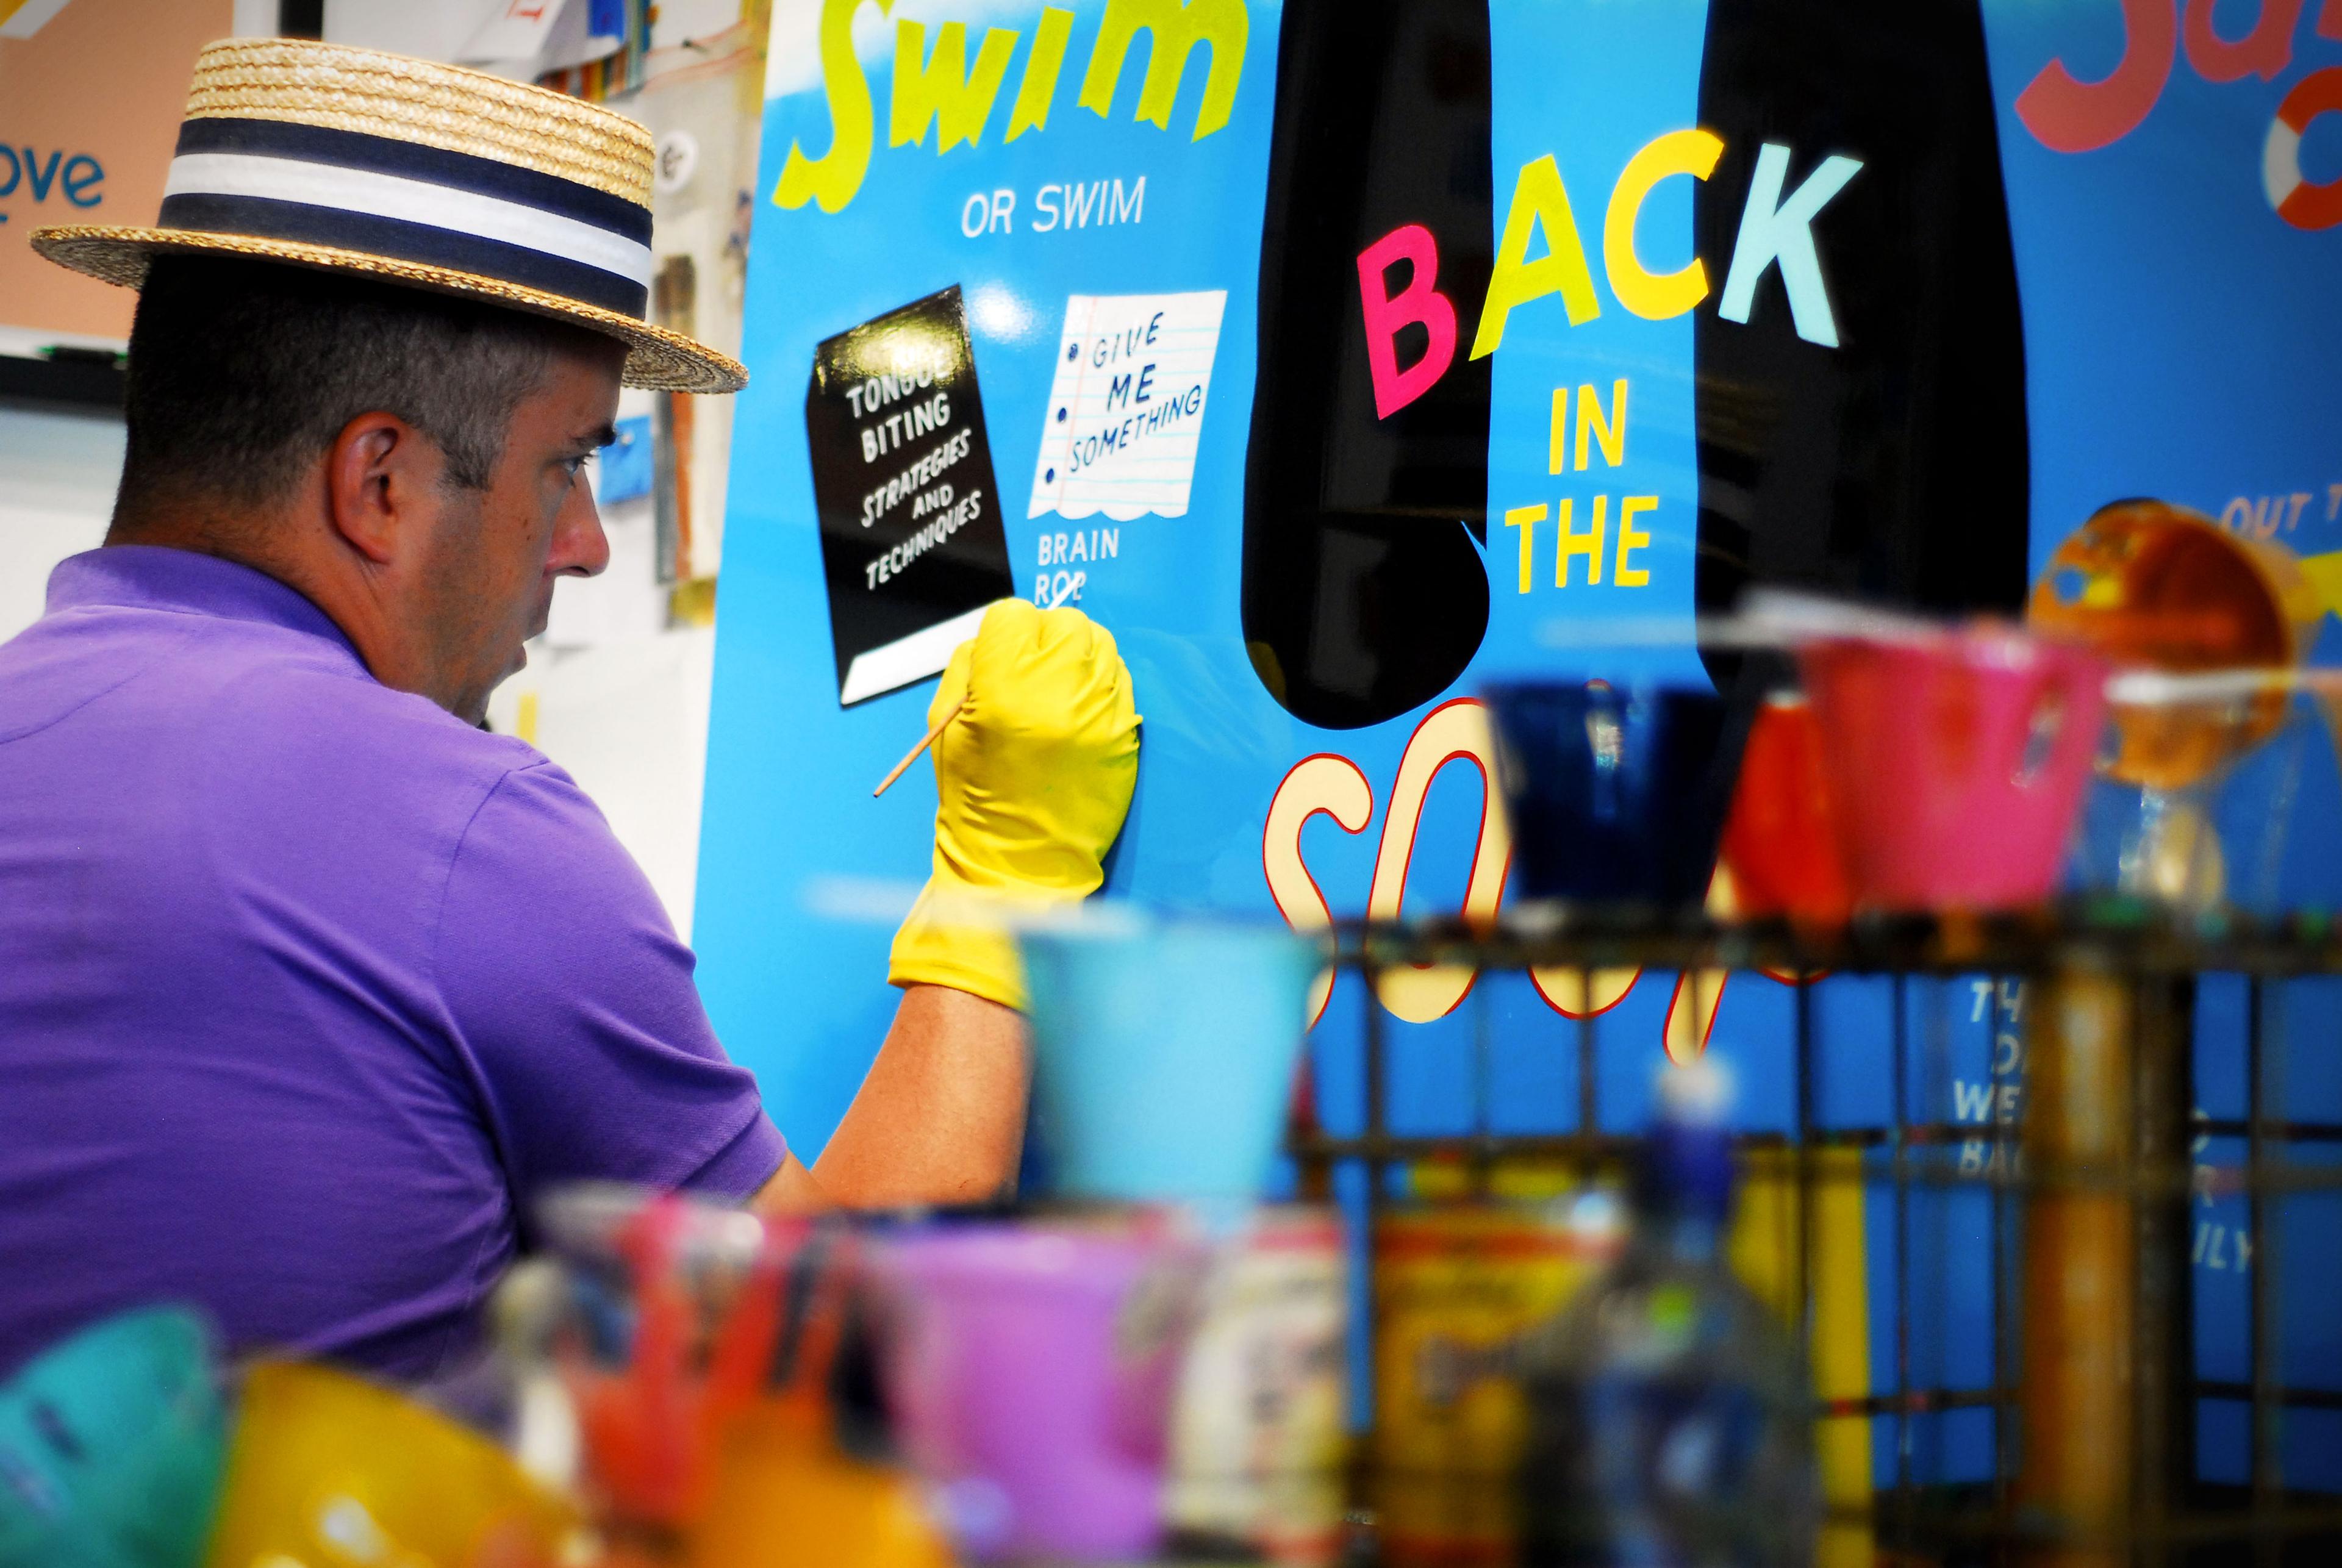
<point x="573" y="1003"/>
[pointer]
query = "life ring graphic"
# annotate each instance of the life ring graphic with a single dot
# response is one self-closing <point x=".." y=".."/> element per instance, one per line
<point x="2299" y="203"/>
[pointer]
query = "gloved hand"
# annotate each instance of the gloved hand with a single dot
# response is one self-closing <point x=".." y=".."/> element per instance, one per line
<point x="1032" y="781"/>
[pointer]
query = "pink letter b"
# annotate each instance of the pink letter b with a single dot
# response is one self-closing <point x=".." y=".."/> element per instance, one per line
<point x="1385" y="313"/>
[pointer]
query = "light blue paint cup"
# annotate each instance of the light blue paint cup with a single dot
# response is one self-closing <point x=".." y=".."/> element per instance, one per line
<point x="112" y="1445"/>
<point x="1163" y="1055"/>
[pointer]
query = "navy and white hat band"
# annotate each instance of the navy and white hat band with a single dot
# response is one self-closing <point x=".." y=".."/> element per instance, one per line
<point x="321" y="185"/>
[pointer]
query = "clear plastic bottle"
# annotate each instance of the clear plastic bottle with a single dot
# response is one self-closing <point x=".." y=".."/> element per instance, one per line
<point x="1670" y="1425"/>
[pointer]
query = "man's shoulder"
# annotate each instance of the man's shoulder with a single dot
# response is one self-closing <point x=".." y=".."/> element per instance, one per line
<point x="245" y="710"/>
<point x="536" y="828"/>
<point x="284" y="693"/>
<point x="340" y="769"/>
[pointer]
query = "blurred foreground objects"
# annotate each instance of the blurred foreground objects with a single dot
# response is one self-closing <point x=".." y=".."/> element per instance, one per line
<point x="1164" y="1051"/>
<point x="1955" y="761"/>
<point x="2195" y="809"/>
<point x="2154" y="586"/>
<point x="1453" y="1289"/>
<point x="718" y="1367"/>
<point x="1030" y="1367"/>
<point x="2206" y="748"/>
<point x="329" y="1468"/>
<point x="1259" y="1431"/>
<point x="111" y="1447"/>
<point x="1669" y="1417"/>
<point x="1613" y="793"/>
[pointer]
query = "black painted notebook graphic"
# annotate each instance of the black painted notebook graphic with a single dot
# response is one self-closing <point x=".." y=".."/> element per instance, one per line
<point x="911" y="544"/>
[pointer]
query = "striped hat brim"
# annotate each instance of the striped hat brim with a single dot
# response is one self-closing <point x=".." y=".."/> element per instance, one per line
<point x="656" y="358"/>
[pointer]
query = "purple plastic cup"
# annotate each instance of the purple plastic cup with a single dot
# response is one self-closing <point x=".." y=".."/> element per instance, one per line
<point x="1030" y="1368"/>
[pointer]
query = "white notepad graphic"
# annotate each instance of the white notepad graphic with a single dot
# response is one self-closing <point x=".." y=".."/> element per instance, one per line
<point x="1126" y="406"/>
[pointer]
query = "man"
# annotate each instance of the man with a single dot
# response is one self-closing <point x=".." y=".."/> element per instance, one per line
<point x="308" y="983"/>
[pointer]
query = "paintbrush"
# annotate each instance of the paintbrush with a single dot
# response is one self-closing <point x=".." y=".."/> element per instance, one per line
<point x="918" y="751"/>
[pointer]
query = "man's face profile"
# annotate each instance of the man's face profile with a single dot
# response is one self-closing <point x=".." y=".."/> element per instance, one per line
<point x="491" y="556"/>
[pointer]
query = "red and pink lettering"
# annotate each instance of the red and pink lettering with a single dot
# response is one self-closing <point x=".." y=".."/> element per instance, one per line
<point x="2071" y="116"/>
<point x="2263" y="51"/>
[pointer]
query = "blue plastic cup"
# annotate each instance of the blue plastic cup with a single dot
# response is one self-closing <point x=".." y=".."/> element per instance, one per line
<point x="1163" y="1055"/>
<point x="111" y="1447"/>
<point x="1615" y="794"/>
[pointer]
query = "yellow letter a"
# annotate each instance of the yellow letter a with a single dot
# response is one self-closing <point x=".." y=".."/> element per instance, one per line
<point x="1539" y="201"/>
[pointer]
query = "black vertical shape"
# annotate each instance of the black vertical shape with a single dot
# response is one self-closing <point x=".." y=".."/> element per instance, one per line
<point x="1364" y="590"/>
<point x="1894" y="465"/>
<point x="301" y="18"/>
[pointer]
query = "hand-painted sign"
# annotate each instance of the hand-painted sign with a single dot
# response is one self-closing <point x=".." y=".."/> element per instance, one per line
<point x="1497" y="340"/>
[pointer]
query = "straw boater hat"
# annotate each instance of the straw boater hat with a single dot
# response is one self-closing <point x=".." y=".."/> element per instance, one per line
<point x="356" y="161"/>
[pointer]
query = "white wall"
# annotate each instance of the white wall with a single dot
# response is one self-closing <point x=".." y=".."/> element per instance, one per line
<point x="57" y="489"/>
<point x="629" y="722"/>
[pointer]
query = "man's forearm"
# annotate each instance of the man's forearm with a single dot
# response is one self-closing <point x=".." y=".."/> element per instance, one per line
<point x="940" y="1118"/>
<point x="1036" y="751"/>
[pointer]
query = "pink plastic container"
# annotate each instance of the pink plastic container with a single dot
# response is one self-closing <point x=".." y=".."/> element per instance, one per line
<point x="1957" y="761"/>
<point x="1031" y="1367"/>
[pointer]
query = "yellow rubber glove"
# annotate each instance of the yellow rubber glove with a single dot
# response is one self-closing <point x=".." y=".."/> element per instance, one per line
<point x="1032" y="782"/>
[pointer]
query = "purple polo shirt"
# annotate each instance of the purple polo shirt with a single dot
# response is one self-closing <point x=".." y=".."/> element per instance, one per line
<point x="306" y="987"/>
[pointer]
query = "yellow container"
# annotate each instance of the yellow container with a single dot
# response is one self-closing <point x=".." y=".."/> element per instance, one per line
<point x="1454" y="1288"/>
<point x="783" y="1495"/>
<point x="330" y="1471"/>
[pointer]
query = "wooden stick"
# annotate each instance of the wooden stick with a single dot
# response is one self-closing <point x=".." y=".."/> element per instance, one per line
<point x="918" y="751"/>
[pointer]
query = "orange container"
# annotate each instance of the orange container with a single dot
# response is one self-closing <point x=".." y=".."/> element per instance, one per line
<point x="2149" y="584"/>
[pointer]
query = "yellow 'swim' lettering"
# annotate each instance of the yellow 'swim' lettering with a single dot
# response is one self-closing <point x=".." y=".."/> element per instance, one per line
<point x="832" y="179"/>
<point x="1175" y="29"/>
<point x="940" y="88"/>
<point x="1041" y="68"/>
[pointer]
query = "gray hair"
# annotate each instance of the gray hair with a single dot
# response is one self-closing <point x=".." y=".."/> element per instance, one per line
<point x="242" y="373"/>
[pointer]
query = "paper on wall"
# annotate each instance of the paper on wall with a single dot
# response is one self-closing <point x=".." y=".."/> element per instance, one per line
<point x="1127" y="404"/>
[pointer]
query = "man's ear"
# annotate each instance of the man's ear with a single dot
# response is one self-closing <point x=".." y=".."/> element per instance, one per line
<point x="380" y="472"/>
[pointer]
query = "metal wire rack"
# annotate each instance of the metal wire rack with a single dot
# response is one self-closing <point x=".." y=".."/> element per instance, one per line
<point x="2099" y="1406"/>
